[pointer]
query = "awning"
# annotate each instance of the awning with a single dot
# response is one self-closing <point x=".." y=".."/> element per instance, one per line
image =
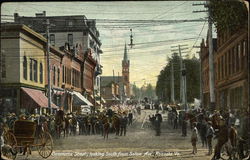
<point x="79" y="99"/>
<point x="38" y="97"/>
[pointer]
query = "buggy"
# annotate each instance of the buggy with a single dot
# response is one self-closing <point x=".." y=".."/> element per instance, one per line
<point x="25" y="137"/>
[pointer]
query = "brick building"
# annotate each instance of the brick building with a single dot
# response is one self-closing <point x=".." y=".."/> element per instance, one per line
<point x="231" y="63"/>
<point x="231" y="70"/>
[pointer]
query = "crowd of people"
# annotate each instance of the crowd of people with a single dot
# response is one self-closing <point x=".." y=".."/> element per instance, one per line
<point x="228" y="128"/>
<point x="231" y="126"/>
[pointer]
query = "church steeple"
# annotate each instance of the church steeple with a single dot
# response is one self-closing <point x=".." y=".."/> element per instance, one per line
<point x="125" y="71"/>
<point x="125" y="56"/>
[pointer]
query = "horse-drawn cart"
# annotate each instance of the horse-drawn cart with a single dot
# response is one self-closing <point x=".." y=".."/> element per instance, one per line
<point x="25" y="137"/>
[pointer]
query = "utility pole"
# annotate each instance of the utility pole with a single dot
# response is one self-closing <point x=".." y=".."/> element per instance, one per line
<point x="180" y="50"/>
<point x="201" y="82"/>
<point x="172" y="83"/>
<point x="183" y="72"/>
<point x="211" y="57"/>
<point x="48" y="66"/>
<point x="211" y="61"/>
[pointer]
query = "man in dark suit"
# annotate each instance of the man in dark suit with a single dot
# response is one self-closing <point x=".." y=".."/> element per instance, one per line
<point x="158" y="120"/>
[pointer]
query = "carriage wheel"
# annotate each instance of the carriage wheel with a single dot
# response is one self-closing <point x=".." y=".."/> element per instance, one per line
<point x="45" y="144"/>
<point x="10" y="140"/>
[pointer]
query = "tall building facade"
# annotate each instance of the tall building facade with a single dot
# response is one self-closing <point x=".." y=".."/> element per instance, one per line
<point x="78" y="33"/>
<point x="79" y="37"/>
<point x="230" y="70"/>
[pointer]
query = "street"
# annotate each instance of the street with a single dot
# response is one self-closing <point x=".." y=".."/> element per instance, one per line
<point x="139" y="143"/>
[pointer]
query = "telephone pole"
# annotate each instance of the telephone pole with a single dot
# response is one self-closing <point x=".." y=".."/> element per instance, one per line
<point x="172" y="83"/>
<point x="183" y="72"/>
<point x="211" y="56"/>
<point x="48" y="66"/>
<point x="180" y="50"/>
<point x="201" y="82"/>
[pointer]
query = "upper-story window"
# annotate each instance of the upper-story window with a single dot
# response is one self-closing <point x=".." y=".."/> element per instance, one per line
<point x="58" y="77"/>
<point x="52" y="39"/>
<point x="70" y="23"/>
<point x="35" y="70"/>
<point x="70" y="39"/>
<point x="41" y="73"/>
<point x="244" y="48"/>
<point x="31" y="69"/>
<point x="63" y="74"/>
<point x="25" y="67"/>
<point x="54" y="75"/>
<point x="3" y="65"/>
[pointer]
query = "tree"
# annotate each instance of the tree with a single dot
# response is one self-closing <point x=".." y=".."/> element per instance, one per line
<point x="163" y="88"/>
<point x="228" y="15"/>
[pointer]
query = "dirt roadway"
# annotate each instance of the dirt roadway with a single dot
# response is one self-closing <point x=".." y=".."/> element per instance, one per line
<point x="138" y="144"/>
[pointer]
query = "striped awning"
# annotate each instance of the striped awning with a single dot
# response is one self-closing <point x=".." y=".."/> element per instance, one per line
<point x="79" y="99"/>
<point x="36" y="96"/>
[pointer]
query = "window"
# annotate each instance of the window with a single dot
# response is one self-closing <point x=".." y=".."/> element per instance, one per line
<point x="73" y="77"/>
<point x="31" y="69"/>
<point x="244" y="47"/>
<point x="70" y="23"/>
<point x="3" y="66"/>
<point x="54" y="75"/>
<point x="223" y="66"/>
<point x="58" y="77"/>
<point x="226" y="66"/>
<point x="230" y="62"/>
<point x="63" y="74"/>
<point x="70" y="39"/>
<point x="52" y="39"/>
<point x="35" y="70"/>
<point x="41" y="73"/>
<point x="25" y="67"/>
<point x="233" y="60"/>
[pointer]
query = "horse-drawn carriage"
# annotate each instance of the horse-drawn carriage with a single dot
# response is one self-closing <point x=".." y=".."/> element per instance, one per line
<point x="25" y="137"/>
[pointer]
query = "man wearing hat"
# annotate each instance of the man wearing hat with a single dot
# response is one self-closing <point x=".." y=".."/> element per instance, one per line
<point x="209" y="135"/>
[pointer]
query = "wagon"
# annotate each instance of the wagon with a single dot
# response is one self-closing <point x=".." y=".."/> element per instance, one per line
<point x="25" y="137"/>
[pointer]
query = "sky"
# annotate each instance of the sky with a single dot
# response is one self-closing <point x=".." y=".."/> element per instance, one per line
<point x="153" y="40"/>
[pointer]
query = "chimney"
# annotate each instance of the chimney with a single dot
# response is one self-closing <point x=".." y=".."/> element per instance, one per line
<point x="16" y="17"/>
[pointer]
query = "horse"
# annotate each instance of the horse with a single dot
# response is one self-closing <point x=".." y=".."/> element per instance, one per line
<point x="60" y="123"/>
<point x="116" y="123"/>
<point x="105" y="123"/>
